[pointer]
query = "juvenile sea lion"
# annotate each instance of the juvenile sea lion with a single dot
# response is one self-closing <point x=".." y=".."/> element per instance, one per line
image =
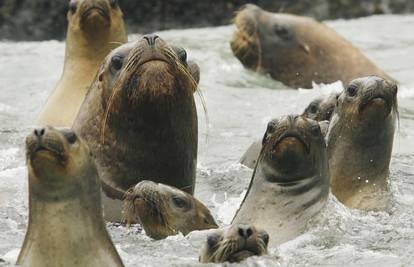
<point x="66" y="227"/>
<point x="290" y="182"/>
<point x="163" y="210"/>
<point x="296" y="50"/>
<point x="95" y="28"/>
<point x="234" y="244"/>
<point x="320" y="110"/>
<point x="360" y="140"/>
<point x="139" y="118"/>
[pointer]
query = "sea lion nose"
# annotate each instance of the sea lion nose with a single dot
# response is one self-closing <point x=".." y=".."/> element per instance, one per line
<point x="245" y="231"/>
<point x="151" y="39"/>
<point x="39" y="132"/>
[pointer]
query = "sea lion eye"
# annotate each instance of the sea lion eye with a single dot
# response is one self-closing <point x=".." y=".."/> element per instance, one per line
<point x="73" y="4"/>
<point x="352" y="90"/>
<point x="282" y="32"/>
<point x="213" y="239"/>
<point x="116" y="63"/>
<point x="71" y="137"/>
<point x="265" y="238"/>
<point x="113" y="3"/>
<point x="179" y="202"/>
<point x="182" y="55"/>
<point x="313" y="108"/>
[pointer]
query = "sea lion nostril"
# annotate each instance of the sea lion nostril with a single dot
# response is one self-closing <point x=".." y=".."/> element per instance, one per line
<point x="151" y="39"/>
<point x="39" y="132"/>
<point x="245" y="231"/>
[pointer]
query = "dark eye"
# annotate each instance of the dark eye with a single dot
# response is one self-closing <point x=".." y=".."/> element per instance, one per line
<point x="73" y="4"/>
<point x="116" y="63"/>
<point x="213" y="239"/>
<point x="313" y="108"/>
<point x="71" y="137"/>
<point x="113" y="3"/>
<point x="180" y="202"/>
<point x="352" y="90"/>
<point x="182" y="55"/>
<point x="265" y="238"/>
<point x="282" y="32"/>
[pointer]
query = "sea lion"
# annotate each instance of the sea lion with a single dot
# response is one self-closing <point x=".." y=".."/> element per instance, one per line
<point x="66" y="227"/>
<point x="164" y="210"/>
<point x="319" y="110"/>
<point x="296" y="50"/>
<point x="95" y="28"/>
<point x="360" y="140"/>
<point x="290" y="183"/>
<point x="139" y="118"/>
<point x="234" y="244"/>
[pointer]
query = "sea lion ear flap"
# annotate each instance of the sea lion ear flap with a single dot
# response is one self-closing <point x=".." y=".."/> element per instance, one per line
<point x="194" y="71"/>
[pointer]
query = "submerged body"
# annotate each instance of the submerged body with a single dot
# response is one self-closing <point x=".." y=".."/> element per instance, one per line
<point x="95" y="28"/>
<point x="65" y="227"/>
<point x="360" y="141"/>
<point x="290" y="183"/>
<point x="139" y="119"/>
<point x="295" y="50"/>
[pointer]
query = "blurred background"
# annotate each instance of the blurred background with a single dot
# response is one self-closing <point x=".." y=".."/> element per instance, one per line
<point x="45" y="19"/>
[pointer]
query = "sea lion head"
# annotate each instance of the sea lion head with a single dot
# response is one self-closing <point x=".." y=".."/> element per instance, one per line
<point x="367" y="102"/>
<point x="164" y="210"/>
<point x="145" y="77"/>
<point x="95" y="17"/>
<point x="234" y="244"/>
<point x="262" y="33"/>
<point x="57" y="161"/>
<point x="293" y="149"/>
<point x="321" y="109"/>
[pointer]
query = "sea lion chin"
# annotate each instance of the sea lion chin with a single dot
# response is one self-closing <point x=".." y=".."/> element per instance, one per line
<point x="360" y="141"/>
<point x="164" y="210"/>
<point x="139" y="118"/>
<point x="234" y="244"/>
<point x="65" y="213"/>
<point x="295" y="50"/>
<point x="290" y="182"/>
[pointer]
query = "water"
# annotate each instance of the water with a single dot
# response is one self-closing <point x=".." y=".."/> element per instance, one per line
<point x="239" y="104"/>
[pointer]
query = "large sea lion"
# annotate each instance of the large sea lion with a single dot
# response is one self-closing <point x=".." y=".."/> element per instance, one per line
<point x="296" y="50"/>
<point x="95" y="28"/>
<point x="290" y="182"/>
<point x="360" y="140"/>
<point x="66" y="227"/>
<point x="234" y="244"/>
<point x="139" y="118"/>
<point x="163" y="210"/>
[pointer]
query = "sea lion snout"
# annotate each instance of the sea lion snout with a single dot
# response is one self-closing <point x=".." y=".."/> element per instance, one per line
<point x="372" y="95"/>
<point x="234" y="244"/>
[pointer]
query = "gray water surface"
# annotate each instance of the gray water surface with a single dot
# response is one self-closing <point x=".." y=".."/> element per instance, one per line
<point x="239" y="104"/>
